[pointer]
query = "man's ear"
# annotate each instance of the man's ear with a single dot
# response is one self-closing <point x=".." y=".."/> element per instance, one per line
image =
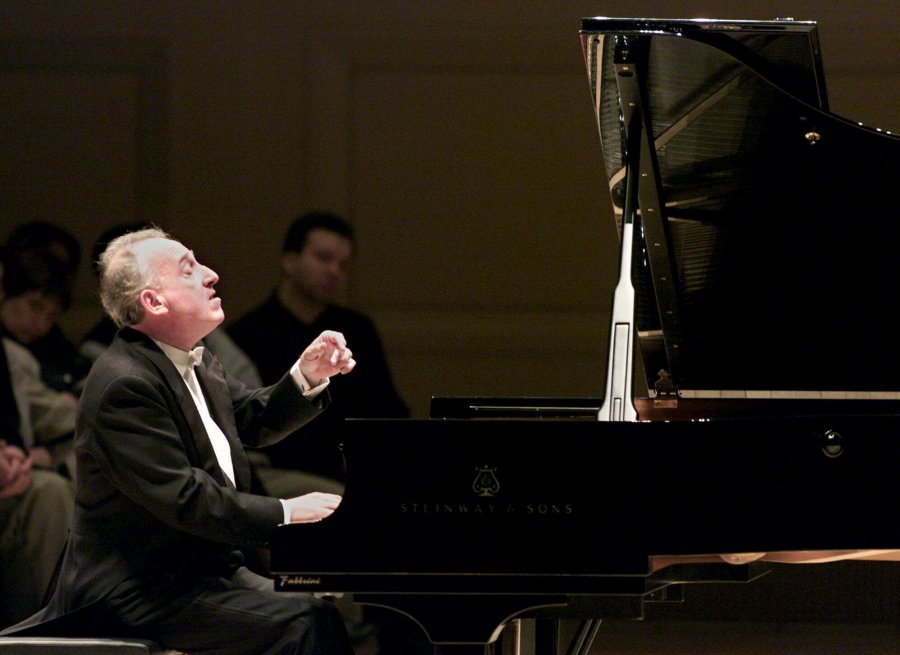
<point x="152" y="302"/>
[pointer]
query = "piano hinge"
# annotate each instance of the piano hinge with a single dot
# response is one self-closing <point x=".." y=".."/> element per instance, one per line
<point x="666" y="390"/>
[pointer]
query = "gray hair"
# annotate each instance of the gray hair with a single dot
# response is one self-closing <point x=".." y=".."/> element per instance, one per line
<point x="123" y="276"/>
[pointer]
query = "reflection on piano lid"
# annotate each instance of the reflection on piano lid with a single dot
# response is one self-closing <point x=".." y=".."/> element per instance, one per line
<point x="765" y="249"/>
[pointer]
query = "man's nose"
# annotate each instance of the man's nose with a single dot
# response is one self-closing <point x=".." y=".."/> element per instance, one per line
<point x="211" y="277"/>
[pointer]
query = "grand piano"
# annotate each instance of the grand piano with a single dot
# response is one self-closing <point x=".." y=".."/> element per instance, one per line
<point x="750" y="413"/>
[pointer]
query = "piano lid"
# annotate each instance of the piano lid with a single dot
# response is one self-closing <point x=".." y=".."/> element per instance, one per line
<point x="769" y="225"/>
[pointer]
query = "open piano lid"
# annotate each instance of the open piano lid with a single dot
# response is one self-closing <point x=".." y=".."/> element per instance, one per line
<point x="769" y="225"/>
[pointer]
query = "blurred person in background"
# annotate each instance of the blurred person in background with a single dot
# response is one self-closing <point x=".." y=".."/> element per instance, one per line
<point x="43" y="262"/>
<point x="36" y="501"/>
<point x="316" y="257"/>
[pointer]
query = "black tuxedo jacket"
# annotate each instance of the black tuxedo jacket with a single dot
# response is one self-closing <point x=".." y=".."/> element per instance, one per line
<point x="154" y="511"/>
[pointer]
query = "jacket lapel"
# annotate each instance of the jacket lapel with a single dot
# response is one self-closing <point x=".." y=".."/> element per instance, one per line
<point x="196" y="441"/>
<point x="218" y="398"/>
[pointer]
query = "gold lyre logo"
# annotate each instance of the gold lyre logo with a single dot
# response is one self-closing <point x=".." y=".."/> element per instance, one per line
<point x="486" y="482"/>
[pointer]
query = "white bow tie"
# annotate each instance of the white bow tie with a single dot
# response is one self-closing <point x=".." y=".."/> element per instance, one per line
<point x="195" y="357"/>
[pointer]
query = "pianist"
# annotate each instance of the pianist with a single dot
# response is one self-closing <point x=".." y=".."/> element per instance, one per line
<point x="162" y="501"/>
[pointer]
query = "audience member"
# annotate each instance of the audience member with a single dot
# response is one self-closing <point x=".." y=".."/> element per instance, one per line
<point x="315" y="261"/>
<point x="43" y="261"/>
<point x="36" y="503"/>
<point x="47" y="416"/>
<point x="162" y="500"/>
<point x="33" y="288"/>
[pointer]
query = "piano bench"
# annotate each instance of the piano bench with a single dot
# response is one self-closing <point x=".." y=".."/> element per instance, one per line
<point x="80" y="646"/>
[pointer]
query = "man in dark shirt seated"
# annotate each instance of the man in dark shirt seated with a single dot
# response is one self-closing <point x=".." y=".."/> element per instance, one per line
<point x="315" y="262"/>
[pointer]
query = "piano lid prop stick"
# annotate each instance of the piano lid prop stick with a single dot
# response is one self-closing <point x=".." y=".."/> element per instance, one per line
<point x="618" y="402"/>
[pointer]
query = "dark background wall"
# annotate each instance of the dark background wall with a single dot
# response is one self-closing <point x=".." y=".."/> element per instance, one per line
<point x="458" y="138"/>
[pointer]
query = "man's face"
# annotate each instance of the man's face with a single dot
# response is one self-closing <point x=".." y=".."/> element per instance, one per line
<point x="320" y="270"/>
<point x="29" y="316"/>
<point x="186" y="287"/>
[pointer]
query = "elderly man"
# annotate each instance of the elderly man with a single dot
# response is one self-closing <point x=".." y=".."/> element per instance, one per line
<point x="162" y="502"/>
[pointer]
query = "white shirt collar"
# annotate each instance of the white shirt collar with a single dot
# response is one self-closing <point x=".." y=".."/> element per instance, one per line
<point x="181" y="358"/>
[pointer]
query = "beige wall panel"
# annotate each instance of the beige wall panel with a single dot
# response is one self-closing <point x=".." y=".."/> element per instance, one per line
<point x="473" y="193"/>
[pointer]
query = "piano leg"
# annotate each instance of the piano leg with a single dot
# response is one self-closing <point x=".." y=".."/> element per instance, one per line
<point x="581" y="643"/>
<point x="543" y="636"/>
<point x="519" y="637"/>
